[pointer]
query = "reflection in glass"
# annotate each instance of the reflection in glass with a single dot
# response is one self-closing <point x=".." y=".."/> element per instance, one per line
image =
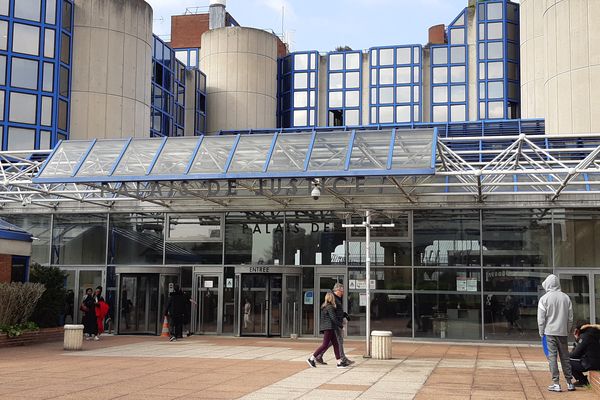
<point x="495" y="109"/>
<point x="494" y="10"/>
<point x="440" y="55"/>
<point x="46" y="118"/>
<point x="300" y="80"/>
<point x="457" y="74"/>
<point x="336" y="62"/>
<point x="314" y="238"/>
<point x="194" y="238"/>
<point x="300" y="99"/>
<point x="458" y="112"/>
<point x="352" y="98"/>
<point x="352" y="80"/>
<point x="353" y="60"/>
<point x="457" y="54"/>
<point x="254" y="238"/>
<point x="440" y="94"/>
<point x="576" y="241"/>
<point x="495" y="50"/>
<point x="457" y="93"/>
<point x="335" y="99"/>
<point x="26" y="39"/>
<point x="403" y="94"/>
<point x="403" y="55"/>
<point x="336" y="80"/>
<point x="386" y="76"/>
<point x="137" y="238"/>
<point x="495" y="70"/>
<point x="386" y="57"/>
<point x="440" y="113"/>
<point x="386" y="115"/>
<point x="403" y="75"/>
<point x="457" y="36"/>
<point x="352" y="117"/>
<point x="440" y="75"/>
<point x="24" y="73"/>
<point x="23" y="107"/>
<point x="79" y="239"/>
<point x="448" y="316"/>
<point x="300" y="118"/>
<point x="3" y="34"/>
<point x="403" y="114"/>
<point x="28" y="9"/>
<point x="386" y="95"/>
<point x="300" y="61"/>
<point x="494" y="30"/>
<point x="21" y="138"/>
<point x="49" y="41"/>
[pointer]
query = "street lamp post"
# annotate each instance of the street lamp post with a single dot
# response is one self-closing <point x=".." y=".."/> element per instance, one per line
<point x="367" y="225"/>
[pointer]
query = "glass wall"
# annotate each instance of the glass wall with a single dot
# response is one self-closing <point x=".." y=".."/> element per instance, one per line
<point x="298" y="83"/>
<point x="40" y="227"/>
<point x="254" y="238"/>
<point x="35" y="69"/>
<point x="194" y="239"/>
<point x="314" y="238"/>
<point x="344" y="88"/>
<point x="577" y="238"/>
<point x="138" y="239"/>
<point x="79" y="239"/>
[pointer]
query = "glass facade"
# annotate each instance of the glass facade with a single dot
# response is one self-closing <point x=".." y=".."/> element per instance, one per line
<point x="189" y="57"/>
<point x="449" y="274"/>
<point x="344" y="88"/>
<point x="168" y="91"/>
<point x="449" y="74"/>
<point x="395" y="84"/>
<point x="35" y="72"/>
<point x="498" y="55"/>
<point x="298" y="84"/>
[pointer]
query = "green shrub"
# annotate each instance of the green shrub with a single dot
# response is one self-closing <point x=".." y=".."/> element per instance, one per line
<point x="51" y="305"/>
<point x="17" y="302"/>
<point x="19" y="329"/>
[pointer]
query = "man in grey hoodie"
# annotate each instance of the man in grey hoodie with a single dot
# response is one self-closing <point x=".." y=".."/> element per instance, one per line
<point x="555" y="320"/>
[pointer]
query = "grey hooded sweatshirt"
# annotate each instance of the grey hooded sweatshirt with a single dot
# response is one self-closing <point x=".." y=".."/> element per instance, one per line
<point x="555" y="311"/>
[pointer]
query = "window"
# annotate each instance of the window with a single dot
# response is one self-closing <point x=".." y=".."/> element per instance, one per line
<point x="386" y="76"/>
<point x="352" y="80"/>
<point x="457" y="74"/>
<point x="2" y="105"/>
<point x="48" y="77"/>
<point x="440" y="75"/>
<point x="26" y="39"/>
<point x="495" y="50"/>
<point x="403" y="114"/>
<point x="494" y="10"/>
<point x="336" y="62"/>
<point x="353" y="60"/>
<point x="458" y="112"/>
<point x="65" y="49"/>
<point x="66" y="15"/>
<point x="300" y="118"/>
<point x="49" y="43"/>
<point x="28" y="9"/>
<point x="386" y="57"/>
<point x="457" y="55"/>
<point x="440" y="113"/>
<point x="3" y="35"/>
<point x="300" y="99"/>
<point x="22" y="108"/>
<point x="335" y="99"/>
<point x="352" y="117"/>
<point x="352" y="98"/>
<point x="457" y="93"/>
<point x="63" y="110"/>
<point x="336" y="118"/>
<point x="403" y="75"/>
<point x="4" y="7"/>
<point x="386" y="95"/>
<point x="21" y="139"/>
<point x="386" y="115"/>
<point x="24" y="73"/>
<point x="403" y="55"/>
<point x="300" y="61"/>
<point x="457" y="36"/>
<point x="495" y="90"/>
<point x="336" y="81"/>
<point x="45" y="140"/>
<point x="64" y="81"/>
<point x="494" y="30"/>
<point x="440" y="55"/>
<point x="2" y="70"/>
<point x="300" y="80"/>
<point x="495" y="109"/>
<point x="51" y="12"/>
<point x="403" y="94"/>
<point x="440" y="94"/>
<point x="495" y="70"/>
<point x="46" y="111"/>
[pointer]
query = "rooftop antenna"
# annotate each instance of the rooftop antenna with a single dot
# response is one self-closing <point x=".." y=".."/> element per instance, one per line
<point x="282" y="17"/>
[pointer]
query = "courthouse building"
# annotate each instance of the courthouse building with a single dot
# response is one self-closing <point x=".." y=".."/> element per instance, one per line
<point x="223" y="162"/>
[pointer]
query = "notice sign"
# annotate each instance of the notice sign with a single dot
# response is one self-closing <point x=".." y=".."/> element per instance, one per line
<point x="362" y="300"/>
<point x="352" y="284"/>
<point x="361" y="283"/>
<point x="208" y="284"/>
<point x="308" y="297"/>
<point x="471" y="285"/>
<point x="461" y="285"/>
<point x="229" y="283"/>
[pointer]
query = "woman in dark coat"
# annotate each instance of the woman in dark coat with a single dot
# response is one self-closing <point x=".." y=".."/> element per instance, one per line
<point x="586" y="354"/>
<point x="329" y="323"/>
<point x="90" y="324"/>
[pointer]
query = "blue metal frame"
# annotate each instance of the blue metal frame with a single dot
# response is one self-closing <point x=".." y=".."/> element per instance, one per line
<point x="344" y="71"/>
<point x="459" y="23"/>
<point x="189" y="55"/>
<point x="375" y="67"/>
<point x="171" y="110"/>
<point x="200" y="112"/>
<point x="87" y="153"/>
<point x="155" y="159"/>
<point x="62" y="26"/>
<point x="510" y="97"/>
<point x="287" y="69"/>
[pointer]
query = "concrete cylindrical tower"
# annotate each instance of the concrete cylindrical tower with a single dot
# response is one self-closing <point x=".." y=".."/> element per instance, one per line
<point x="112" y="67"/>
<point x="572" y="78"/>
<point x="533" y="59"/>
<point x="241" y="72"/>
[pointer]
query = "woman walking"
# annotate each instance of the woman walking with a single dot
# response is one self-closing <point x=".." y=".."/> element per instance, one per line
<point x="90" y="325"/>
<point x="329" y="324"/>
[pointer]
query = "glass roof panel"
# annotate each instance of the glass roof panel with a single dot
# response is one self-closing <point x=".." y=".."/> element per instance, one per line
<point x="175" y="156"/>
<point x="329" y="151"/>
<point x="251" y="153"/>
<point x="289" y="152"/>
<point x="138" y="157"/>
<point x="370" y="150"/>
<point x="213" y="154"/>
<point x="102" y="158"/>
<point x="412" y="149"/>
<point x="65" y="158"/>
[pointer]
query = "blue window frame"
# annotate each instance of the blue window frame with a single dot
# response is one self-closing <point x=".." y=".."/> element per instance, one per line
<point x="498" y="60"/>
<point x="395" y="84"/>
<point x="344" y="88"/>
<point x="35" y="73"/>
<point x="200" y="103"/>
<point x="449" y="74"/>
<point x="189" y="56"/>
<point x="168" y="91"/>
<point x="298" y="85"/>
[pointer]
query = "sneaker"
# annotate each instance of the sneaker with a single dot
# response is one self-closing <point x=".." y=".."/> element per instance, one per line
<point x="343" y="364"/>
<point x="96" y="338"/>
<point x="172" y="339"/>
<point x="349" y="361"/>
<point x="319" y="360"/>
<point x="570" y="387"/>
<point x="555" y="387"/>
<point x="312" y="363"/>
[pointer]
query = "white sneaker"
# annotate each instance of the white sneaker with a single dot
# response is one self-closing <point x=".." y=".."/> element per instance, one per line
<point x="555" y="387"/>
<point x="96" y="338"/>
<point x="570" y="387"/>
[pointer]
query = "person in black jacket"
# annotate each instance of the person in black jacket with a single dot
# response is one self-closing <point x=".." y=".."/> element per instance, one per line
<point x="176" y="311"/>
<point x="342" y="317"/>
<point x="329" y="323"/>
<point x="586" y="353"/>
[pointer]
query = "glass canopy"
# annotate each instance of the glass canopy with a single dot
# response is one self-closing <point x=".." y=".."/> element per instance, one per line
<point x="391" y="152"/>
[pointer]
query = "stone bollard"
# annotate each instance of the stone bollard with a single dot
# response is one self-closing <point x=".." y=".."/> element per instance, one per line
<point x="73" y="337"/>
<point x="381" y="345"/>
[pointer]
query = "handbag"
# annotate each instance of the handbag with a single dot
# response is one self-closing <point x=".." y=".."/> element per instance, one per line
<point x="83" y="308"/>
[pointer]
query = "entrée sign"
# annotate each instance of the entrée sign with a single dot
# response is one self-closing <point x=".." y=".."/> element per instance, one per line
<point x="260" y="269"/>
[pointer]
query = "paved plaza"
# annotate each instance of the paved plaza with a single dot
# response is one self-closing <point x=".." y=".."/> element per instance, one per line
<point x="201" y="367"/>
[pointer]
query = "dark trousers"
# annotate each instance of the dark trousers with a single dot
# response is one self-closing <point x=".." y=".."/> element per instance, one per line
<point x="177" y="326"/>
<point x="577" y="370"/>
<point x="328" y="336"/>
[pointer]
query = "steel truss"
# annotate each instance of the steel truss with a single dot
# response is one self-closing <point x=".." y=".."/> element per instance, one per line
<point x="512" y="171"/>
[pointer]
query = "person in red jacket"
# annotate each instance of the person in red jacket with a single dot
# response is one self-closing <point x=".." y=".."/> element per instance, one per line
<point x="101" y="309"/>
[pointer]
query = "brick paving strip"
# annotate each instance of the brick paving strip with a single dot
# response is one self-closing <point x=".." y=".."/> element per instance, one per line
<point x="229" y="368"/>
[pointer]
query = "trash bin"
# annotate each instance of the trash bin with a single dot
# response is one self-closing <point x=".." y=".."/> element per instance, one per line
<point x="381" y="345"/>
<point x="73" y="337"/>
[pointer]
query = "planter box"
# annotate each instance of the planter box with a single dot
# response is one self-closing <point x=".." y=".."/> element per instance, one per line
<point x="43" y="335"/>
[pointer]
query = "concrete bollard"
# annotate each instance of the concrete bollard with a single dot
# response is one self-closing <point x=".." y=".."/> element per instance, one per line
<point x="73" y="337"/>
<point x="381" y="345"/>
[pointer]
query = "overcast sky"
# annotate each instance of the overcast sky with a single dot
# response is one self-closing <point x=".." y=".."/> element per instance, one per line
<point x="325" y="24"/>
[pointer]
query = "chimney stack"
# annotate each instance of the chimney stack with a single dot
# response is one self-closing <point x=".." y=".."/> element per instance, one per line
<point x="216" y="14"/>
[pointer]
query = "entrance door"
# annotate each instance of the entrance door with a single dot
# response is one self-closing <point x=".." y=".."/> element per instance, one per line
<point x="139" y="304"/>
<point x="77" y="281"/>
<point x="261" y="307"/>
<point x="583" y="287"/>
<point x="292" y="297"/>
<point x="326" y="281"/>
<point x="208" y="304"/>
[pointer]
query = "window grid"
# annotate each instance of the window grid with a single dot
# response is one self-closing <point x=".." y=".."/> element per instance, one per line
<point x="449" y="75"/>
<point x="189" y="56"/>
<point x="498" y="61"/>
<point x="298" y="106"/>
<point x="168" y="91"/>
<point x="200" y="104"/>
<point x="49" y="121"/>
<point x="344" y="90"/>
<point x="413" y="86"/>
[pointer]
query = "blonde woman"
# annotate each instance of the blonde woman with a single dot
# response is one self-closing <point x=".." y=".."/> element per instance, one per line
<point x="329" y="324"/>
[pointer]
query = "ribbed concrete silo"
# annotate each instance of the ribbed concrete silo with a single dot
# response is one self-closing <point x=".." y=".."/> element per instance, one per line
<point x="533" y="59"/>
<point x="112" y="66"/>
